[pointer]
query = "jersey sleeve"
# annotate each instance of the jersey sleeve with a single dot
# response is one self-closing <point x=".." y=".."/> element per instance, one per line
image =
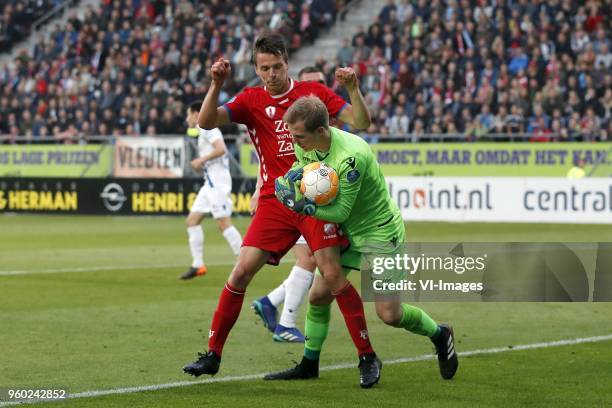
<point x="215" y="135"/>
<point x="350" y="174"/>
<point x="335" y="104"/>
<point x="211" y="135"/>
<point x="238" y="107"/>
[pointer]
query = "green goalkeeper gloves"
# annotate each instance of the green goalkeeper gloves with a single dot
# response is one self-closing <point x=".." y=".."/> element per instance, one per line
<point x="295" y="175"/>
<point x="286" y="192"/>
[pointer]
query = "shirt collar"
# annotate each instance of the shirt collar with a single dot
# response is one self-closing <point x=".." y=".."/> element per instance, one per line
<point x="291" y="86"/>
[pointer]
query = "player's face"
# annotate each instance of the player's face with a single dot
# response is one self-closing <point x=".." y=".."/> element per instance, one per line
<point x="303" y="138"/>
<point x="273" y="72"/>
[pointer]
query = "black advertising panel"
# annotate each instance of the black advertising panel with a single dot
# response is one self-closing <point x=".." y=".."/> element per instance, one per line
<point x="119" y="196"/>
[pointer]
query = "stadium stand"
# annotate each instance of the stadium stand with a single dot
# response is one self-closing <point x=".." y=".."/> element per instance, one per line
<point x="130" y="67"/>
<point x="482" y="67"/>
<point x="18" y="16"/>
<point x="460" y="67"/>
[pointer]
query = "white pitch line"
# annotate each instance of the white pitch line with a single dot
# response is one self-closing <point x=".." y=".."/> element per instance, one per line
<point x="85" y="269"/>
<point x="155" y="387"/>
<point x="109" y="268"/>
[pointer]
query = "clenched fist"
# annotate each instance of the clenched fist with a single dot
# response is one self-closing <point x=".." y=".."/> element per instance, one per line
<point x="220" y="70"/>
<point x="347" y="77"/>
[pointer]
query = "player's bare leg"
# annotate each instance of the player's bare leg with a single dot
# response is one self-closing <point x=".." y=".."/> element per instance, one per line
<point x="250" y="260"/>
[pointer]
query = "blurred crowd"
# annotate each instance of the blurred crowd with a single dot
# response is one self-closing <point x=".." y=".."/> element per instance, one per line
<point x="479" y="68"/>
<point x="17" y="17"/>
<point x="131" y="67"/>
<point x="472" y="68"/>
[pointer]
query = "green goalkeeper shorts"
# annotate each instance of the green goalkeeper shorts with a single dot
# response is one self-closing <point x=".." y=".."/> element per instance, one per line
<point x="385" y="241"/>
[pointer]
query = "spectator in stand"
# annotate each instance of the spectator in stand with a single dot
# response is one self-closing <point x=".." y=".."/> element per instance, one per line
<point x="539" y="122"/>
<point x="603" y="60"/>
<point x="399" y="123"/>
<point x="589" y="125"/>
<point x="499" y="120"/>
<point x="345" y="53"/>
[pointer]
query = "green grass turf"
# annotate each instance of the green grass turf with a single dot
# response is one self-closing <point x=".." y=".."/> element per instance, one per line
<point x="134" y="323"/>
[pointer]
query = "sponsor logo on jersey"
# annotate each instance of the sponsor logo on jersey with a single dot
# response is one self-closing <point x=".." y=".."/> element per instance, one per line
<point x="270" y="111"/>
<point x="351" y="162"/>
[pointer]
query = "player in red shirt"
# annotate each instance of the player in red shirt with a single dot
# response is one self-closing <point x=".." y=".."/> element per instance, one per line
<point x="274" y="228"/>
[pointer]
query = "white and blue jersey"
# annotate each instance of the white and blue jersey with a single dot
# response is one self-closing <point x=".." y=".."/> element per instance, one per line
<point x="215" y="195"/>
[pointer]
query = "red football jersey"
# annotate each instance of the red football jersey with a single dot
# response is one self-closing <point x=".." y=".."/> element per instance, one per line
<point x="262" y="113"/>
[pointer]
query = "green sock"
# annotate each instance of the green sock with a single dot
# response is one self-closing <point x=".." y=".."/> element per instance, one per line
<point x="417" y="321"/>
<point x="317" y="326"/>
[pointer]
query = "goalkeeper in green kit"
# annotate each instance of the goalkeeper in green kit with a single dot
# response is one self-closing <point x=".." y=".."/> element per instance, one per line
<point x="367" y="215"/>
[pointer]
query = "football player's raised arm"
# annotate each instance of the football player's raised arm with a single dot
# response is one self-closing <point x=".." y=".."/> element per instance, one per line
<point x="210" y="115"/>
<point x="350" y="177"/>
<point x="356" y="114"/>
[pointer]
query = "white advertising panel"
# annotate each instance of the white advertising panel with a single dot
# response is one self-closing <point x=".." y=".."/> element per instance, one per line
<point x="503" y="199"/>
<point x="152" y="157"/>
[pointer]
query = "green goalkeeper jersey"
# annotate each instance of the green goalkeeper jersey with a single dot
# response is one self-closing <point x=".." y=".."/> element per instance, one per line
<point x="363" y="206"/>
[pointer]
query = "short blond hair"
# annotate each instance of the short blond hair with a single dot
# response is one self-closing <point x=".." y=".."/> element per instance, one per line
<point x="309" y="109"/>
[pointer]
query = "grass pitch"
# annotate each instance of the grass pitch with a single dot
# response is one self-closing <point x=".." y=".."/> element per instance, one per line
<point x="95" y="304"/>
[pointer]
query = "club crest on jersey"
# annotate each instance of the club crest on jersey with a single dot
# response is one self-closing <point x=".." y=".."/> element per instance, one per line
<point x="270" y="111"/>
<point x="329" y="229"/>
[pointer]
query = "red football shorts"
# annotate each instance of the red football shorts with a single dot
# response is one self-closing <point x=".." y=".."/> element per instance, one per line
<point x="275" y="229"/>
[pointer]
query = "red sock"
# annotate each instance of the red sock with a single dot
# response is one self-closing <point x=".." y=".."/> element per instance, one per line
<point x="351" y="307"/>
<point x="228" y="309"/>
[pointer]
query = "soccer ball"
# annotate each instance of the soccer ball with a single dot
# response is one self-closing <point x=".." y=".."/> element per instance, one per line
<point x="319" y="183"/>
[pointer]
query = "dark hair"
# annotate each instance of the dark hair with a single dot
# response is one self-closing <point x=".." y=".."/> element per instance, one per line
<point x="309" y="70"/>
<point x="312" y="70"/>
<point x="195" y="106"/>
<point x="270" y="43"/>
<point x="309" y="109"/>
